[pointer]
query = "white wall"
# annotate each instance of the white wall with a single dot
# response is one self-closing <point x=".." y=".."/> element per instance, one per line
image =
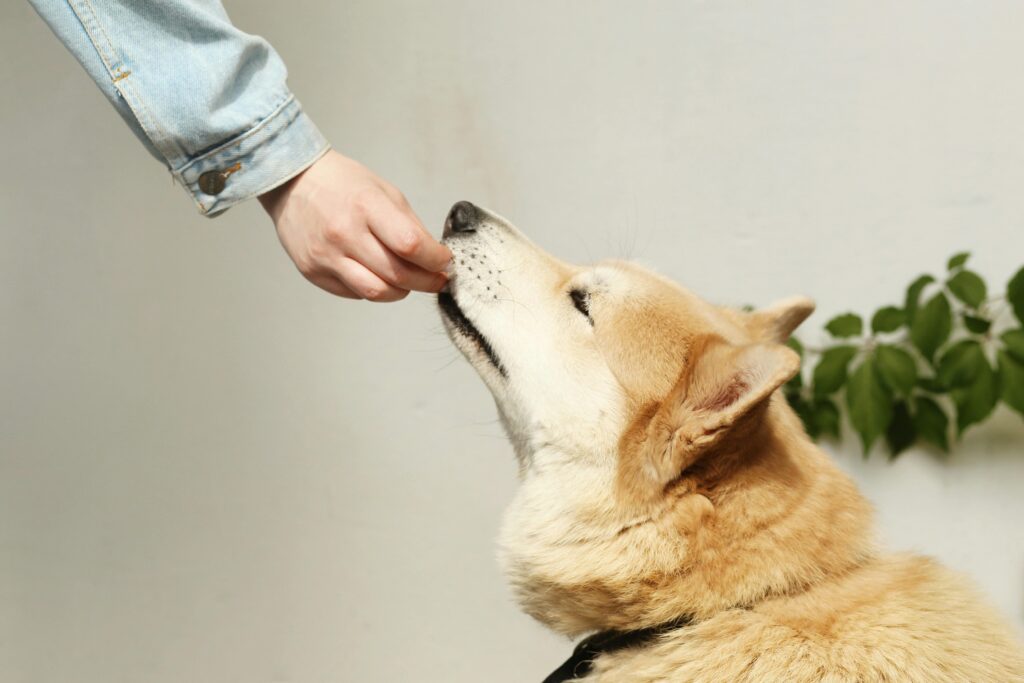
<point x="210" y="471"/>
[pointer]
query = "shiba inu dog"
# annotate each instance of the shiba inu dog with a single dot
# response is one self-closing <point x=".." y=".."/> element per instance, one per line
<point x="670" y="500"/>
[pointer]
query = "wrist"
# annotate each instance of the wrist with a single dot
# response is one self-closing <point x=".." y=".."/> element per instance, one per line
<point x="271" y="199"/>
<point x="274" y="199"/>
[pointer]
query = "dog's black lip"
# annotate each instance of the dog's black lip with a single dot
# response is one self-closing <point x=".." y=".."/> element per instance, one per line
<point x="451" y="310"/>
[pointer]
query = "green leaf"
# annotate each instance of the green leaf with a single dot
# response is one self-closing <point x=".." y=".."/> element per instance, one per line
<point x="1015" y="294"/>
<point x="914" y="295"/>
<point x="931" y="385"/>
<point x="825" y="417"/>
<point x="869" y="403"/>
<point x="897" y="368"/>
<point x="802" y="408"/>
<point x="845" y="325"/>
<point x="888" y="319"/>
<point x="932" y="325"/>
<point x="901" y="433"/>
<point x="976" y="325"/>
<point x="1011" y="377"/>
<point x="960" y="363"/>
<point x="794" y="385"/>
<point x="1014" y="340"/>
<point x="958" y="260"/>
<point x="968" y="287"/>
<point x="931" y="423"/>
<point x="975" y="401"/>
<point x="830" y="372"/>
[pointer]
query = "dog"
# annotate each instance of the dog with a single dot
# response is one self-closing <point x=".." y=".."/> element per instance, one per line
<point x="670" y="501"/>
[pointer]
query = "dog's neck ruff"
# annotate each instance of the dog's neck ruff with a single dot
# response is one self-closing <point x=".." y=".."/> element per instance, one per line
<point x="582" y="659"/>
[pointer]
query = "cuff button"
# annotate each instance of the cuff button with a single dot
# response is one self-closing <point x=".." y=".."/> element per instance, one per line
<point x="212" y="182"/>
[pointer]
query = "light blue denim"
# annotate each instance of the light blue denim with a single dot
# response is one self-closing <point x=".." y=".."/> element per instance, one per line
<point x="200" y="94"/>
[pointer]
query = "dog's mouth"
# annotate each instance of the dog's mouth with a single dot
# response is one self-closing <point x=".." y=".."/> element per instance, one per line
<point x="465" y="327"/>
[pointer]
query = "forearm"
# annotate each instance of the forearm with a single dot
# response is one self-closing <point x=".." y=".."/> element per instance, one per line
<point x="206" y="99"/>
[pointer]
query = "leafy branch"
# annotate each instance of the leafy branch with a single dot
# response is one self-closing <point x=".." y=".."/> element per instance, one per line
<point x="920" y="363"/>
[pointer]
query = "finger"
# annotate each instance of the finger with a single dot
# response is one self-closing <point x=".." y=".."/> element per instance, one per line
<point x="360" y="280"/>
<point x="331" y="284"/>
<point x="389" y="267"/>
<point x="396" y="195"/>
<point x="402" y="233"/>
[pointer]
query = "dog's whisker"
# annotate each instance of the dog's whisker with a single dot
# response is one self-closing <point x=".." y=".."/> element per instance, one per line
<point x="448" y="364"/>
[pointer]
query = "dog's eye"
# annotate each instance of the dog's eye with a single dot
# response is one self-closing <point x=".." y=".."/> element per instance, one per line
<point x="581" y="300"/>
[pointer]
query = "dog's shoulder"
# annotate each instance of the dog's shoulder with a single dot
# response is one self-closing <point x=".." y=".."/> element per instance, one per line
<point x="897" y="618"/>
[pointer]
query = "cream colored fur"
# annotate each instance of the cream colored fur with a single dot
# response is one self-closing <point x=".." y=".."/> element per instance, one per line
<point x="662" y="475"/>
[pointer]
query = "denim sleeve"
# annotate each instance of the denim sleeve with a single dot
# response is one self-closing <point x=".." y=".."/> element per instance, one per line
<point x="206" y="99"/>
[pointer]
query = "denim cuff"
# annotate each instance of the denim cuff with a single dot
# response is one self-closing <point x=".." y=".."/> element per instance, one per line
<point x="270" y="153"/>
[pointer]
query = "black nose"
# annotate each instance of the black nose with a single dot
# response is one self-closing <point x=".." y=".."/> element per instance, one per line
<point x="462" y="218"/>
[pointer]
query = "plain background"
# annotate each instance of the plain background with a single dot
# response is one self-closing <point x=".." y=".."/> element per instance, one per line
<point x="210" y="471"/>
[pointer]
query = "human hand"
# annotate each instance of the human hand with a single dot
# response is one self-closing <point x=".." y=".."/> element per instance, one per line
<point x="353" y="234"/>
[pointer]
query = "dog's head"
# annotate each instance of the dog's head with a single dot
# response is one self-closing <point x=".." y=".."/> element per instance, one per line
<point x="631" y="404"/>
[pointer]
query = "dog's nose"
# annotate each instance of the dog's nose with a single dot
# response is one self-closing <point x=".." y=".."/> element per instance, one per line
<point x="462" y="218"/>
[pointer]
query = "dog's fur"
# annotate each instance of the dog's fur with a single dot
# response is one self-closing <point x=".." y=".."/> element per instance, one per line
<point x="663" y="475"/>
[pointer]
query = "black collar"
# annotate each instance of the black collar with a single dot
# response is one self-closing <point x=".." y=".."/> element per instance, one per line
<point x="582" y="660"/>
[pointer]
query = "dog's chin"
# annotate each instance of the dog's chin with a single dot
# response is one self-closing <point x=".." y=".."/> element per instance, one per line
<point x="466" y="336"/>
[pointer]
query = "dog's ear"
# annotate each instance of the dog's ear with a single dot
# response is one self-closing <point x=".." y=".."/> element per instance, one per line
<point x="720" y="385"/>
<point x="776" y="322"/>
